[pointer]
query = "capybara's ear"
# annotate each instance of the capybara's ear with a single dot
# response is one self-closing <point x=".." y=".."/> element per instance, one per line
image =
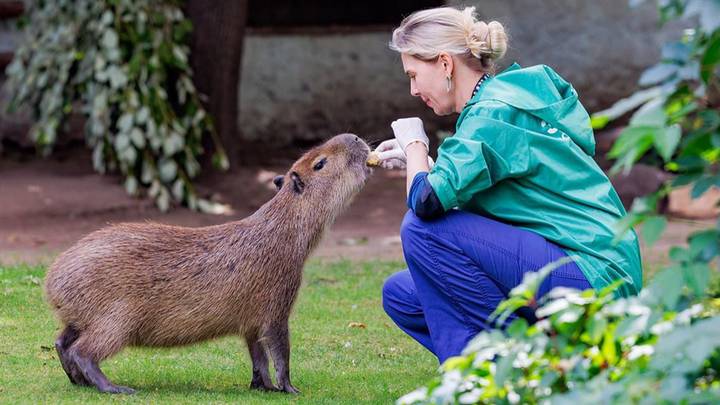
<point x="279" y="180"/>
<point x="298" y="184"/>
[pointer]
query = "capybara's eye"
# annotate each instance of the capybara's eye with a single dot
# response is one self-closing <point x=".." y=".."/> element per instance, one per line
<point x="319" y="165"/>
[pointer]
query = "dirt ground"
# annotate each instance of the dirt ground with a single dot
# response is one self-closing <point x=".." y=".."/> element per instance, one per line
<point x="46" y="205"/>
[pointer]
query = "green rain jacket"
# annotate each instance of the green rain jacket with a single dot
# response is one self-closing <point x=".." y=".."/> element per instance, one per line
<point x="522" y="154"/>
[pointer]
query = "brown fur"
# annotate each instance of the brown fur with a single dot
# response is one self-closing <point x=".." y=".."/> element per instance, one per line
<point x="159" y="285"/>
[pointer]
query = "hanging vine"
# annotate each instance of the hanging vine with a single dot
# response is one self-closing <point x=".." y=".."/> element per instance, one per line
<point x="123" y="64"/>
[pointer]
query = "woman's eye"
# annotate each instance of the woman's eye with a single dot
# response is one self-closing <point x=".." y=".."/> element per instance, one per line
<point x="319" y="165"/>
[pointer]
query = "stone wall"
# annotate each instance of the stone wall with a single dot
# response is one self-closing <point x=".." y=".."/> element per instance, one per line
<point x="309" y="86"/>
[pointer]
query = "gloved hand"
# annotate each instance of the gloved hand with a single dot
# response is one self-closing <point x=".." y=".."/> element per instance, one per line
<point x="392" y="156"/>
<point x="409" y="130"/>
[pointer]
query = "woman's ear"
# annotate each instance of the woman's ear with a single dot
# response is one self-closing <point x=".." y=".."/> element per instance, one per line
<point x="447" y="63"/>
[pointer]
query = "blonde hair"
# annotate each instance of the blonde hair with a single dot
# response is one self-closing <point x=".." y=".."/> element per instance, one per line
<point x="426" y="33"/>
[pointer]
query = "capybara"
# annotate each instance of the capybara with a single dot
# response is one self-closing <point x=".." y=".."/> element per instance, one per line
<point x="147" y="284"/>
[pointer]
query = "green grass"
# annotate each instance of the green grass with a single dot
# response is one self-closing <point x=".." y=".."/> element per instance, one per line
<point x="331" y="363"/>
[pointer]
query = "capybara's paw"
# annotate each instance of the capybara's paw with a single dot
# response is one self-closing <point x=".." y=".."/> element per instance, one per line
<point x="258" y="385"/>
<point x="287" y="387"/>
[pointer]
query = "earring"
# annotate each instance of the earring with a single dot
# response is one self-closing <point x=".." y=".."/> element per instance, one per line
<point x="449" y="84"/>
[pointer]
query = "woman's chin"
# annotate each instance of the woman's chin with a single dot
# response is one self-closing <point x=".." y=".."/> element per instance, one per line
<point x="442" y="112"/>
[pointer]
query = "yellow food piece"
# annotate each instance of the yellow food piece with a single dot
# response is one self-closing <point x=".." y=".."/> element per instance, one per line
<point x="373" y="159"/>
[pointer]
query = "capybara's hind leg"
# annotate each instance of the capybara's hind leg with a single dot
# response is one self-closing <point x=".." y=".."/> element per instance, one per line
<point x="279" y="347"/>
<point x="88" y="351"/>
<point x="261" y="376"/>
<point x="68" y="336"/>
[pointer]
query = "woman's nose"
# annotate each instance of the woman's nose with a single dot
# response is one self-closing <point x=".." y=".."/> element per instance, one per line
<point x="414" y="91"/>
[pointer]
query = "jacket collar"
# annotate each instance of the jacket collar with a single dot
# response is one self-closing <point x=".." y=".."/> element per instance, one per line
<point x="478" y="95"/>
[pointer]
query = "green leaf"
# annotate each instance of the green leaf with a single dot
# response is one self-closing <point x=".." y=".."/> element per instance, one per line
<point x="710" y="59"/>
<point x="173" y="144"/>
<point x="129" y="155"/>
<point x="701" y="186"/>
<point x="517" y="328"/>
<point x="163" y="200"/>
<point x="608" y="349"/>
<point x="707" y="10"/>
<point x="117" y="77"/>
<point x="652" y="229"/>
<point x="148" y="173"/>
<point x="504" y="368"/>
<point x="599" y="121"/>
<point x="679" y="254"/>
<point x="628" y="104"/>
<point x="220" y="161"/>
<point x="624" y="224"/>
<point x="131" y="185"/>
<point x="632" y="326"/>
<point x="142" y="115"/>
<point x="676" y="52"/>
<point x="668" y="285"/>
<point x="697" y="277"/>
<point x="125" y="122"/>
<point x="109" y="39"/>
<point x="107" y="17"/>
<point x="137" y="138"/>
<point x="657" y="74"/>
<point x="651" y="114"/>
<point x="178" y="190"/>
<point x="596" y="328"/>
<point x="168" y="170"/>
<point x="691" y="163"/>
<point x="667" y="140"/>
<point x="122" y="142"/>
<point x="633" y="141"/>
<point x="685" y="179"/>
<point x="704" y="245"/>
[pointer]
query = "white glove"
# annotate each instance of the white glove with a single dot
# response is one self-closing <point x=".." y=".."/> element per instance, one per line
<point x="409" y="130"/>
<point x="392" y="156"/>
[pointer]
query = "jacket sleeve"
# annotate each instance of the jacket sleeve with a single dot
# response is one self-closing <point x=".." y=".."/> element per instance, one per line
<point x="422" y="199"/>
<point x="483" y="151"/>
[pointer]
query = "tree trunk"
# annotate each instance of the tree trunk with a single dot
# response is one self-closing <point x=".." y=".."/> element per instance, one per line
<point x="216" y="55"/>
<point x="11" y="9"/>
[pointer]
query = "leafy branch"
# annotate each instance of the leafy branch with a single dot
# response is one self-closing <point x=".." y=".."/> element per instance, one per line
<point x="123" y="65"/>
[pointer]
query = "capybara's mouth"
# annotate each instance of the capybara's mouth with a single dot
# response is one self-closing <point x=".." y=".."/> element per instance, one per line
<point x="362" y="158"/>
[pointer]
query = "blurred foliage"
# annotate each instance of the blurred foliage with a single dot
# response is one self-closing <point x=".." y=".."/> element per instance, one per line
<point x="661" y="346"/>
<point x="658" y="347"/>
<point x="123" y="64"/>
<point x="677" y="124"/>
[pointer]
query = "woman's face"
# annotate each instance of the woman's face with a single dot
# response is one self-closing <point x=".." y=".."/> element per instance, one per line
<point x="428" y="81"/>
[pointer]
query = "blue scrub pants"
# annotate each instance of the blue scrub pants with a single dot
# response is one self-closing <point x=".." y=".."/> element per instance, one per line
<point x="460" y="266"/>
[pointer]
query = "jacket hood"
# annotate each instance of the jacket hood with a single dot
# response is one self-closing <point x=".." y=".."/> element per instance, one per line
<point x="541" y="92"/>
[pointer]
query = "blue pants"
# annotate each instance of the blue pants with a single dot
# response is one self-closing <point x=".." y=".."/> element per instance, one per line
<point x="460" y="266"/>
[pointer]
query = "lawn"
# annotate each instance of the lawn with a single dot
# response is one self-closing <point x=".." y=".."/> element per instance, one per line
<point x="331" y="362"/>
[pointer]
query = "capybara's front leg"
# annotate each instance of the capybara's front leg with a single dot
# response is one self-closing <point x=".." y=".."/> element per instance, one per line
<point x="279" y="347"/>
<point x="261" y="376"/>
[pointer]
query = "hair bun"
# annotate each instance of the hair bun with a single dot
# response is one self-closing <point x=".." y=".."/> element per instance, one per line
<point x="497" y="39"/>
<point x="477" y="39"/>
<point x="426" y="34"/>
<point x="484" y="39"/>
